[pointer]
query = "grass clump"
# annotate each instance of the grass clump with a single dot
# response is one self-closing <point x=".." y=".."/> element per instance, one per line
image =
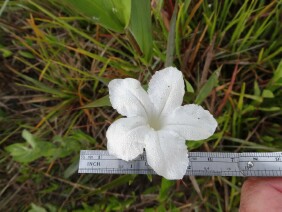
<point x="55" y="68"/>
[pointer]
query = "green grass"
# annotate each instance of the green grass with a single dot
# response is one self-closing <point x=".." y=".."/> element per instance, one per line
<point x="56" y="64"/>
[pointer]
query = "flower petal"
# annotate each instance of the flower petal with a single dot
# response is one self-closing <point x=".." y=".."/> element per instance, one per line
<point x="126" y="137"/>
<point x="166" y="154"/>
<point x="191" y="122"/>
<point x="166" y="90"/>
<point x="129" y="98"/>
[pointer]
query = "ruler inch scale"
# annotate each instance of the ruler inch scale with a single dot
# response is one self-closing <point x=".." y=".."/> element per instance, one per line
<point x="267" y="164"/>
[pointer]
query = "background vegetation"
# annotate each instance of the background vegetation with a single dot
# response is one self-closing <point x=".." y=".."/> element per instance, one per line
<point x="57" y="58"/>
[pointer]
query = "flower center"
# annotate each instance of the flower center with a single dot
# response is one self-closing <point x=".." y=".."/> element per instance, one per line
<point x="155" y="123"/>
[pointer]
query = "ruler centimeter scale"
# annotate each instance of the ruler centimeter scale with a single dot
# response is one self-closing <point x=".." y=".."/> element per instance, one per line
<point x="200" y="164"/>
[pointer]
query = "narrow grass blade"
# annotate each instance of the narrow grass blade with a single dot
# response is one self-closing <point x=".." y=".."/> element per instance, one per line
<point x="140" y="27"/>
<point x="104" y="101"/>
<point x="207" y="88"/>
<point x="171" y="38"/>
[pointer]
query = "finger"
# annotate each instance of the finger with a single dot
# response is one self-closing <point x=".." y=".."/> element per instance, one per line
<point x="261" y="194"/>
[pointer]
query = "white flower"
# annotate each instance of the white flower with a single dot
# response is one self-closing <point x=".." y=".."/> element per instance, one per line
<point x="157" y="122"/>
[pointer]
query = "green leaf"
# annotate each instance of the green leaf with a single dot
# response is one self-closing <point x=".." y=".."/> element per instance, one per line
<point x="195" y="144"/>
<point x="104" y="101"/>
<point x="165" y="187"/>
<point x="171" y="39"/>
<point x="73" y="167"/>
<point x="22" y="153"/>
<point x="208" y="86"/>
<point x="269" y="109"/>
<point x="276" y="80"/>
<point x="25" y="54"/>
<point x="140" y="29"/>
<point x="189" y="87"/>
<point x="111" y="14"/>
<point x="161" y="208"/>
<point x="47" y="149"/>
<point x="256" y="89"/>
<point x="6" y="52"/>
<point x="69" y="146"/>
<point x="29" y="138"/>
<point x="32" y="149"/>
<point x="150" y="177"/>
<point x="278" y="73"/>
<point x="36" y="208"/>
<point x="267" y="94"/>
<point x="82" y="137"/>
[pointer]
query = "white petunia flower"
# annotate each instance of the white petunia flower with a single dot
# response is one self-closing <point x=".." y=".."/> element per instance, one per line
<point x="156" y="121"/>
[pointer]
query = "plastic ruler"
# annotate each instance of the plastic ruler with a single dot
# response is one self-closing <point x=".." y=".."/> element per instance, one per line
<point x="200" y="164"/>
